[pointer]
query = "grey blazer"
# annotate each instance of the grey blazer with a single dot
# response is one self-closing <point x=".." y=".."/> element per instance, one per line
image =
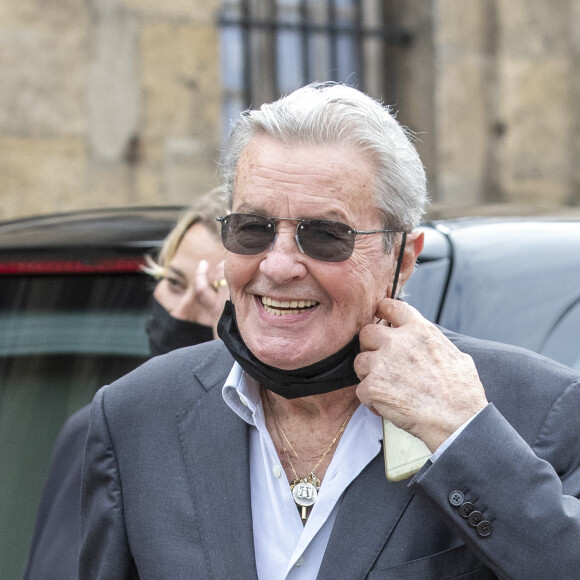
<point x="166" y="483"/>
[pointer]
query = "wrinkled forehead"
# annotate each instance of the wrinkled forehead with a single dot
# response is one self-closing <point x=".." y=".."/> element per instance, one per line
<point x="312" y="179"/>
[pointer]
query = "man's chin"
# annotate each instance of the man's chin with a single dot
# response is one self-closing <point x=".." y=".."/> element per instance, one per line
<point x="287" y="358"/>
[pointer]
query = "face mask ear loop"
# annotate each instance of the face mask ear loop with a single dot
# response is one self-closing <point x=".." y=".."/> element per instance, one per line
<point x="398" y="269"/>
<point x="399" y="265"/>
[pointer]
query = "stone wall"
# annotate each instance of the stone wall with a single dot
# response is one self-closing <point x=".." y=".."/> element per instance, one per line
<point x="537" y="101"/>
<point x="117" y="102"/>
<point x="106" y="103"/>
<point x="492" y="89"/>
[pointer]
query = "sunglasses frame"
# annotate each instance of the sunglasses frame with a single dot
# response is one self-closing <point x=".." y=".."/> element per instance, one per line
<point x="301" y="222"/>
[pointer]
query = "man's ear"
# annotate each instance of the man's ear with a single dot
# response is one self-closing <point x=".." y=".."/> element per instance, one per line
<point x="413" y="247"/>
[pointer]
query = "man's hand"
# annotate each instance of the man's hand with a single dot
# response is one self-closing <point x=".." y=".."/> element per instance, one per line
<point x="412" y="375"/>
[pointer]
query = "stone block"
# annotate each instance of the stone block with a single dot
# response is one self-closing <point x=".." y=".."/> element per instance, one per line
<point x="47" y="13"/>
<point x="458" y="189"/>
<point x="461" y="128"/>
<point x="460" y="26"/>
<point x="189" y="169"/>
<point x="180" y="80"/>
<point x="176" y="9"/>
<point x="41" y="175"/>
<point x="534" y="27"/>
<point x="534" y="154"/>
<point x="126" y="182"/>
<point x="114" y="91"/>
<point x="44" y="78"/>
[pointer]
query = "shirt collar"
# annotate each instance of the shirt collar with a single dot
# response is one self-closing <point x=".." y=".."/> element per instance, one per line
<point x="242" y="394"/>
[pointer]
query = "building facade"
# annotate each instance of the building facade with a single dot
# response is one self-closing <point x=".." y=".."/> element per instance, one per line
<point x="126" y="102"/>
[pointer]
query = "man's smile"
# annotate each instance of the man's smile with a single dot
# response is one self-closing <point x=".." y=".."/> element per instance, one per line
<point x="285" y="307"/>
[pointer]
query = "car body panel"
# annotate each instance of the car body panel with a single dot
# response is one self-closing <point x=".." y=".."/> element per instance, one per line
<point x="73" y="308"/>
<point x="514" y="281"/>
<point x="120" y="229"/>
<point x="425" y="290"/>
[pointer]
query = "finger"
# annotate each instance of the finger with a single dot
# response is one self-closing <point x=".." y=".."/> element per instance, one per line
<point x="365" y="400"/>
<point x="396" y="312"/>
<point x="374" y="336"/>
<point x="206" y="294"/>
<point x="372" y="409"/>
<point x="201" y="279"/>
<point x="361" y="365"/>
<point x="218" y="279"/>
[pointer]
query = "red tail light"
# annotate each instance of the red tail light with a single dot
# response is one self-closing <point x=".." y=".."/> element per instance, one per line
<point x="105" y="265"/>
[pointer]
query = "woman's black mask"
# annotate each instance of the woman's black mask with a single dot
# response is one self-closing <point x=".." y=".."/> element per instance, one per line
<point x="167" y="333"/>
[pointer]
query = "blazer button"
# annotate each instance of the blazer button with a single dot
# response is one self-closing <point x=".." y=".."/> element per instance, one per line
<point x="465" y="509"/>
<point x="456" y="498"/>
<point x="484" y="528"/>
<point x="475" y="517"/>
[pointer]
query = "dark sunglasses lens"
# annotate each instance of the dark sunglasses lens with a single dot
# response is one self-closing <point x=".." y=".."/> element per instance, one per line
<point x="325" y="240"/>
<point x="247" y="234"/>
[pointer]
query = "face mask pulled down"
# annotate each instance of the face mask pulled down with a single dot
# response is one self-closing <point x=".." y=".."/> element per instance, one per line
<point x="332" y="373"/>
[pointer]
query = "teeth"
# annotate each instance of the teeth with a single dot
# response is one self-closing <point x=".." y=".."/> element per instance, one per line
<point x="288" y="303"/>
<point x="289" y="306"/>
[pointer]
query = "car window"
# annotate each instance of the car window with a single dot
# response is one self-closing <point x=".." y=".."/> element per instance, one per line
<point x="61" y="339"/>
<point x="426" y="287"/>
<point x="73" y="332"/>
<point x="562" y="343"/>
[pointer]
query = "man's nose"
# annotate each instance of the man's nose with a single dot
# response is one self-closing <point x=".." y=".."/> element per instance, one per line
<point x="284" y="260"/>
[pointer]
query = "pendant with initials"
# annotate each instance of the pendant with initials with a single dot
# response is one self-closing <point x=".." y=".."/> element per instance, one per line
<point x="304" y="494"/>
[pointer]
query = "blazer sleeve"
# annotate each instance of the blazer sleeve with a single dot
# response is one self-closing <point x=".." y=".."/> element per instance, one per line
<point x="529" y="493"/>
<point x="104" y="550"/>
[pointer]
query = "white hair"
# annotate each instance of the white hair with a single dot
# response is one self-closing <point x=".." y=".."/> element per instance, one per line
<point x="333" y="113"/>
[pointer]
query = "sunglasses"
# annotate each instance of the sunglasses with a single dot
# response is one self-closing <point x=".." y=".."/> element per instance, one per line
<point x="323" y="240"/>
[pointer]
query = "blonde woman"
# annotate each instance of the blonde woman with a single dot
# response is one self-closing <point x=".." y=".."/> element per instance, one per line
<point x="190" y="294"/>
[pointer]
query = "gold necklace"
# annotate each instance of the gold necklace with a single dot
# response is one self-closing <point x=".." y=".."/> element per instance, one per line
<point x="304" y="489"/>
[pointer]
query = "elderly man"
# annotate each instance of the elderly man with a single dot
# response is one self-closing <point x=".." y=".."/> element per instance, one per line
<point x="252" y="457"/>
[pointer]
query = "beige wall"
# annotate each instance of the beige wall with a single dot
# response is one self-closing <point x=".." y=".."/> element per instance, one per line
<point x="106" y="103"/>
<point x="494" y="95"/>
<point x="117" y="102"/>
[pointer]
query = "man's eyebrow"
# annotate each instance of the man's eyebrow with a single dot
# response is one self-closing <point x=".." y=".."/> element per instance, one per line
<point x="247" y="208"/>
<point x="333" y="215"/>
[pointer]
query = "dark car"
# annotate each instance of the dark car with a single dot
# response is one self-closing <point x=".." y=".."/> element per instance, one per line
<point x="74" y="299"/>
<point x="510" y="280"/>
<point x="73" y="306"/>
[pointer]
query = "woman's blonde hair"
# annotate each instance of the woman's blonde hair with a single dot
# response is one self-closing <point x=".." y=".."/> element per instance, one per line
<point x="204" y="210"/>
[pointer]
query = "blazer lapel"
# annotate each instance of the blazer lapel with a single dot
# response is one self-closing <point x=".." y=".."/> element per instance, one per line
<point x="368" y="513"/>
<point x="215" y="446"/>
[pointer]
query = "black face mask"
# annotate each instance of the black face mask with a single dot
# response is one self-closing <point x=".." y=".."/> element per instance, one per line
<point x="167" y="333"/>
<point x="332" y="373"/>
